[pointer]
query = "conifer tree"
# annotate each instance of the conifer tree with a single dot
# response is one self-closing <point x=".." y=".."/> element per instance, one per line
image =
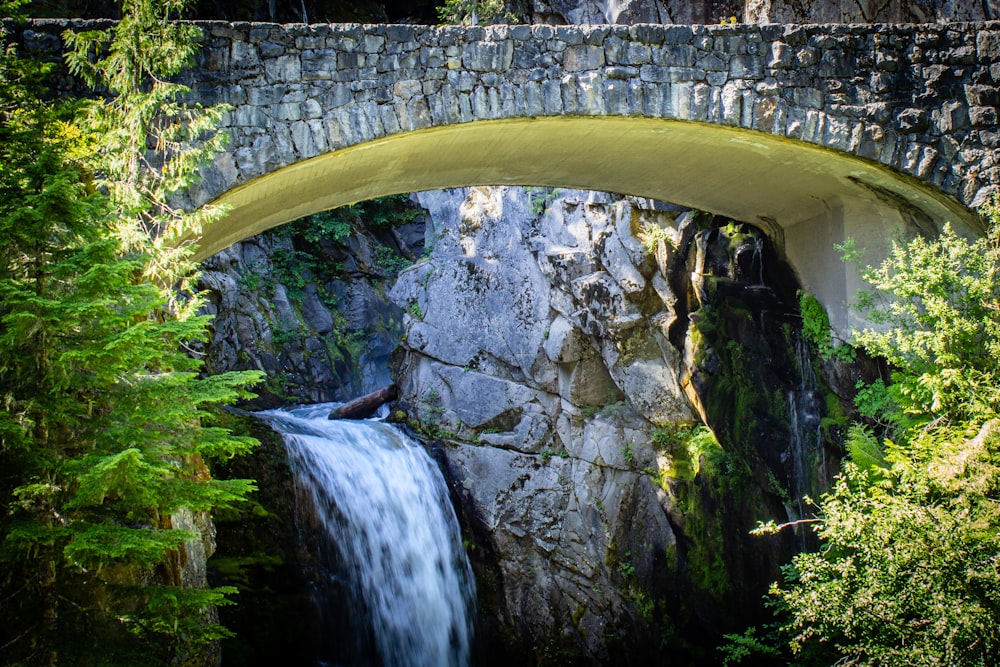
<point x="104" y="422"/>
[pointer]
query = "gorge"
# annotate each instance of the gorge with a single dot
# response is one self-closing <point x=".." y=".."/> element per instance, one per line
<point x="609" y="390"/>
<point x="563" y="347"/>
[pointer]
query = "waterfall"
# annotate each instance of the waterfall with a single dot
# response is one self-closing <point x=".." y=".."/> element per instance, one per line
<point x="392" y="583"/>
<point x="612" y="9"/>
<point x="806" y="449"/>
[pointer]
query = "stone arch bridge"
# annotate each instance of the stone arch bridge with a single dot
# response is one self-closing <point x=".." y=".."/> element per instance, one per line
<point x="816" y="133"/>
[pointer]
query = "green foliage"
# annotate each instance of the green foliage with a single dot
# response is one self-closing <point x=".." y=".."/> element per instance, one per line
<point x="745" y="645"/>
<point x="906" y="573"/>
<point x="816" y="329"/>
<point x="336" y="225"/>
<point x="865" y="450"/>
<point x="101" y="442"/>
<point x="689" y="447"/>
<point x="474" y="12"/>
<point x="937" y="306"/>
<point x="390" y="261"/>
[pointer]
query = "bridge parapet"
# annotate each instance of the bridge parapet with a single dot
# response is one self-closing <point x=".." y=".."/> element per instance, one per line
<point x="921" y="99"/>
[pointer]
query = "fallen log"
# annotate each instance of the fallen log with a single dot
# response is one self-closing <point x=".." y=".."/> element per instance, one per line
<point x="365" y="406"/>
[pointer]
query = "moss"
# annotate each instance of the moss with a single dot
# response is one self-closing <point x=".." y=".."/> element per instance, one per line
<point x="578" y="615"/>
<point x="704" y="561"/>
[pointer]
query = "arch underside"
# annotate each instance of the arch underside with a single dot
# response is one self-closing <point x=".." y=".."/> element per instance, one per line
<point x="806" y="197"/>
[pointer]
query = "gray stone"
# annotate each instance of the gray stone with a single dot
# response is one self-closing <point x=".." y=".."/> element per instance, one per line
<point x="488" y="57"/>
<point x="583" y="57"/>
<point x="909" y="73"/>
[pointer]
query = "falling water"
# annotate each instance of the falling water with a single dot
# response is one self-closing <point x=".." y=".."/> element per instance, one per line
<point x="807" y="453"/>
<point x="392" y="582"/>
<point x="612" y="9"/>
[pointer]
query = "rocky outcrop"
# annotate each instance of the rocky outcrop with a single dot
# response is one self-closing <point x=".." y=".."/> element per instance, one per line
<point x="632" y="11"/>
<point x="762" y="11"/>
<point x="565" y="346"/>
<point x="311" y="315"/>
<point x="869" y="11"/>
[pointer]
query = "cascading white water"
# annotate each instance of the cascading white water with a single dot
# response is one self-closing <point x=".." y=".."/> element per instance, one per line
<point x="397" y="552"/>
<point x="612" y="9"/>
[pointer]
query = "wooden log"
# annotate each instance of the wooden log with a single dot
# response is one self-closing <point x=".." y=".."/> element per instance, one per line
<point x="365" y="406"/>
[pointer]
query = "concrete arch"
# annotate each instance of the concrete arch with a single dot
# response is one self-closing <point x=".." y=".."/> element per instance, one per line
<point x="808" y="198"/>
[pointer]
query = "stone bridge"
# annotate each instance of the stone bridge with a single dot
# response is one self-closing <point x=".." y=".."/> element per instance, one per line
<point x="816" y="133"/>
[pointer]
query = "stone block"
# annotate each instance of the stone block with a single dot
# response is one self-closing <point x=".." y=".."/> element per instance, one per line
<point x="838" y="134"/>
<point x="594" y="34"/>
<point x="982" y="95"/>
<point x="488" y="56"/>
<point x="883" y="82"/>
<point x="520" y="32"/>
<point x="706" y="103"/>
<point x="656" y="74"/>
<point x="615" y="49"/>
<point x="716" y="78"/>
<point x="270" y="49"/>
<point x="616" y="97"/>
<point x="652" y="100"/>
<point x="731" y="42"/>
<point x="732" y="104"/>
<point x="552" y="97"/>
<point x="806" y="56"/>
<point x="302" y="139"/>
<point x="768" y="88"/>
<point x="746" y="67"/>
<point x="963" y="55"/>
<point x="764" y="113"/>
<point x="251" y="116"/>
<point x="988" y="46"/>
<point x="713" y="62"/>
<point x="806" y="97"/>
<point x="406" y="89"/>
<point x="678" y="104"/>
<point x="675" y="55"/>
<point x="887" y="61"/>
<point x="244" y="56"/>
<point x="583" y="57"/>
<point x="912" y="120"/>
<point x="621" y="73"/>
<point x="781" y="56"/>
<point x="283" y="68"/>
<point x="952" y="116"/>
<point x="983" y="116"/>
<point x="590" y="89"/>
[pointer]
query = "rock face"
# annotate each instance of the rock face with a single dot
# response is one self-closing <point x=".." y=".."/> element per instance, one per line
<point x="311" y="315"/>
<point x="632" y="11"/>
<point x="564" y="345"/>
<point x="762" y="11"/>
<point x="869" y="11"/>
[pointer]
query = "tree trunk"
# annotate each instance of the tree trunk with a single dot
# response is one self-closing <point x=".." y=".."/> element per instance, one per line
<point x="365" y="406"/>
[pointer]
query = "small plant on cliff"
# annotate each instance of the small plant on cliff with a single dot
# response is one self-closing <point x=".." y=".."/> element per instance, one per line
<point x="816" y="329"/>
